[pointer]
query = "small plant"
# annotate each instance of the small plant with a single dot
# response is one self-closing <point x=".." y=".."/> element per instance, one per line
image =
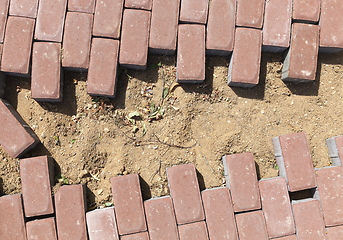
<point x="61" y="179"/>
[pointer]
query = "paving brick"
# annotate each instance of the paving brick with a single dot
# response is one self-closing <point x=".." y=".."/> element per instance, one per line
<point x="277" y="25"/>
<point x="3" y="18"/>
<point x="136" y="236"/>
<point x="102" y="224"/>
<point x="221" y="27"/>
<point x="12" y="226"/>
<point x="41" y="229"/>
<point x="276" y="207"/>
<point x="77" y="40"/>
<point x="50" y="20"/>
<point x="191" y="53"/>
<point x="306" y="10"/>
<point x="241" y="178"/>
<point x="107" y="18"/>
<point x="290" y="237"/>
<point x="309" y="220"/>
<point x="161" y="219"/>
<point x="134" y="39"/>
<point x="219" y="214"/>
<point x="163" y="30"/>
<point x="251" y="226"/>
<point x="139" y="4"/>
<point x="102" y="73"/>
<point x="85" y="6"/>
<point x="16" y="137"/>
<point x="193" y="231"/>
<point x="47" y="75"/>
<point x="334" y="233"/>
<point x="17" y="45"/>
<point x="185" y="192"/>
<point x="335" y="148"/>
<point x="250" y="13"/>
<point x="293" y="158"/>
<point x="70" y="207"/>
<point x="23" y="8"/>
<point x="302" y="67"/>
<point x="194" y="11"/>
<point x="128" y="204"/>
<point x="244" y="68"/>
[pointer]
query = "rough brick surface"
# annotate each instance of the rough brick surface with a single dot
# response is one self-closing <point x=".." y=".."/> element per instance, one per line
<point x="251" y="226"/>
<point x="184" y="190"/>
<point x="191" y="53"/>
<point x="163" y="30"/>
<point x="102" y="73"/>
<point x="41" y="229"/>
<point x="107" y="18"/>
<point x="161" y="219"/>
<point x="276" y="207"/>
<point x="221" y="27"/>
<point x="219" y="214"/>
<point x="139" y="4"/>
<point x="136" y="236"/>
<point x="194" y="11"/>
<point x="250" y="13"/>
<point x="102" y="224"/>
<point x="70" y="204"/>
<point x="241" y="178"/>
<point x="50" y="20"/>
<point x="12" y="226"/>
<point x="47" y="77"/>
<point x="277" y="25"/>
<point x="3" y="17"/>
<point x="335" y="233"/>
<point x="24" y="8"/>
<point x="244" y="68"/>
<point x="17" y="45"/>
<point x="193" y="231"/>
<point x="128" y="205"/>
<point x="86" y="6"/>
<point x="302" y="67"/>
<point x="77" y="40"/>
<point x="134" y="39"/>
<point x="306" y="10"/>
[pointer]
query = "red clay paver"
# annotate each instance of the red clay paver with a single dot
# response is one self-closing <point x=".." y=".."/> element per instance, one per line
<point x="306" y="10"/>
<point x="290" y="237"/>
<point x="276" y="207"/>
<point x="47" y="77"/>
<point x="102" y="225"/>
<point x="107" y="18"/>
<point x="77" y="40"/>
<point x="185" y="192"/>
<point x="251" y="226"/>
<point x="163" y="29"/>
<point x="12" y="225"/>
<point x="277" y="25"/>
<point x="193" y="231"/>
<point x="221" y="27"/>
<point x="194" y="11"/>
<point x="102" y="73"/>
<point x="250" y="13"/>
<point x="41" y="229"/>
<point x="128" y="204"/>
<point x="219" y="214"/>
<point x="17" y="45"/>
<point x="3" y="17"/>
<point x="23" y="8"/>
<point x="136" y="236"/>
<point x="161" y="219"/>
<point x="302" y="67"/>
<point x="191" y="53"/>
<point x="241" y="178"/>
<point x="139" y="4"/>
<point x="70" y="204"/>
<point x="244" y="68"/>
<point x="134" y="39"/>
<point x="85" y="6"/>
<point x="50" y="20"/>
<point x="334" y="233"/>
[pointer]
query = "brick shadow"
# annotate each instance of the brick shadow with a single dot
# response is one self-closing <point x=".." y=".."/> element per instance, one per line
<point x="201" y="181"/>
<point x="13" y="85"/>
<point x="146" y="193"/>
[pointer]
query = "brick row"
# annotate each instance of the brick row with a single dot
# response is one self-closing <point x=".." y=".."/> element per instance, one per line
<point x="250" y="13"/>
<point x="23" y="8"/>
<point x="41" y="229"/>
<point x="194" y="11"/>
<point x="3" y="17"/>
<point x="251" y="225"/>
<point x="194" y="231"/>
<point x="335" y="148"/>
<point x="306" y="10"/>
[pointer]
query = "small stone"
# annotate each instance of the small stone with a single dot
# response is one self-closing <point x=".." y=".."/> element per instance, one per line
<point x="106" y="130"/>
<point x="43" y="135"/>
<point x="83" y="174"/>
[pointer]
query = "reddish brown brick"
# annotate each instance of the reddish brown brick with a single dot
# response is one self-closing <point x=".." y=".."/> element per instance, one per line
<point x="85" y="6"/>
<point x="102" y="73"/>
<point x="276" y="207"/>
<point x="306" y="10"/>
<point x="191" y="53"/>
<point x="102" y="224"/>
<point x="139" y="4"/>
<point x="107" y="18"/>
<point x="250" y="13"/>
<point x="251" y="226"/>
<point x="47" y="77"/>
<point x="161" y="219"/>
<point x="12" y="226"/>
<point x="50" y="20"/>
<point x="136" y="236"/>
<point x="194" y="11"/>
<point x="16" y="137"/>
<point x="17" y="45"/>
<point x="290" y="237"/>
<point x="41" y="229"/>
<point x="23" y="8"/>
<point x="244" y="68"/>
<point x="193" y="231"/>
<point x="128" y="204"/>
<point x="302" y="67"/>
<point x="134" y="39"/>
<point x="163" y="30"/>
<point x="335" y="233"/>
<point x="3" y="18"/>
<point x="219" y="214"/>
<point x="70" y="204"/>
<point x="241" y="178"/>
<point x="184" y="190"/>
<point x="77" y="40"/>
